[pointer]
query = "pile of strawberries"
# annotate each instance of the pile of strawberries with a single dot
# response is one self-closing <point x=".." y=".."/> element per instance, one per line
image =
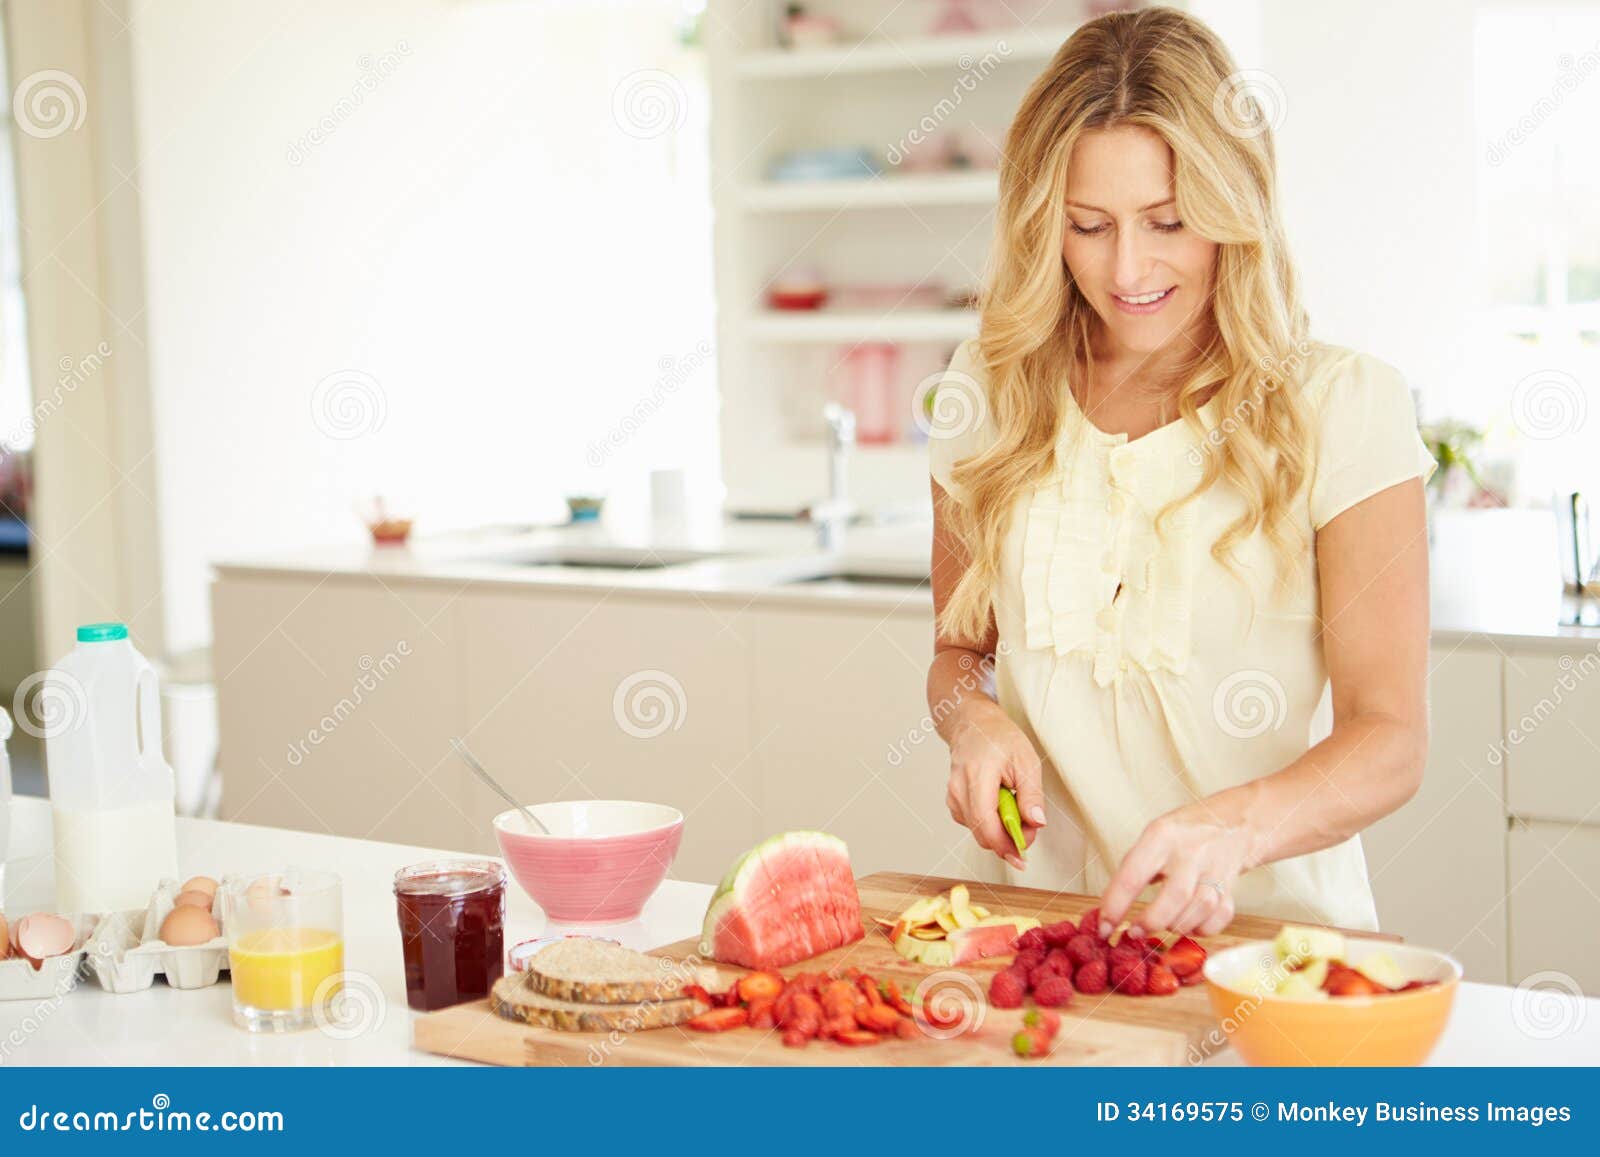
<point x="1054" y="961"/>
<point x="850" y="1008"/>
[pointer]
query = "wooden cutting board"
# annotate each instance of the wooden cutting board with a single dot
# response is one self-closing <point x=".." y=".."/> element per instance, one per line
<point x="1096" y="1030"/>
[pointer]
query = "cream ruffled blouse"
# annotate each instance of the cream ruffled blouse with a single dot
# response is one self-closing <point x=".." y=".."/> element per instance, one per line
<point x="1146" y="674"/>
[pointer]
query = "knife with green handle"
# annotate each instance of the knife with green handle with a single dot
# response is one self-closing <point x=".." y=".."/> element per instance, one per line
<point x="1011" y="819"/>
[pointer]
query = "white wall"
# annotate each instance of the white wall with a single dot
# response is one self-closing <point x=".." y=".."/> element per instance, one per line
<point x="1376" y="166"/>
<point x="472" y="240"/>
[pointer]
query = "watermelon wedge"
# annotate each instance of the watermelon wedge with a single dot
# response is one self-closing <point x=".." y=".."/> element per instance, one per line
<point x="789" y="898"/>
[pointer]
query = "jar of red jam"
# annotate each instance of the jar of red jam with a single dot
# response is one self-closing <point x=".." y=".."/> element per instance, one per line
<point x="452" y="930"/>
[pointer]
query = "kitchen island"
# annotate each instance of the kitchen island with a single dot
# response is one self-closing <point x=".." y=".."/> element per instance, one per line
<point x="1491" y="1024"/>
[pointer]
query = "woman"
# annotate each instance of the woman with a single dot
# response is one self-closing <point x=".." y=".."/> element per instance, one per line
<point x="1171" y="518"/>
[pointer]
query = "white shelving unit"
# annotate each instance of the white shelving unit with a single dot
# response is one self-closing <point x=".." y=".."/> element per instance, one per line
<point x="1033" y="43"/>
<point x="885" y="83"/>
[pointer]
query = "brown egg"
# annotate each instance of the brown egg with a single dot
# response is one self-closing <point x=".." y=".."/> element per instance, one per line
<point x="193" y="898"/>
<point x="187" y="925"/>
<point x="42" y="936"/>
<point x="5" y="938"/>
<point x="200" y="884"/>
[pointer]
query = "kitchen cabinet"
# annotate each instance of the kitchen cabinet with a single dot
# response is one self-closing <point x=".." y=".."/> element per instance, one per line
<point x="845" y="743"/>
<point x="337" y="700"/>
<point x="1449" y="840"/>
<point x="1555" y="905"/>
<point x="759" y="711"/>
<point x="1552" y="738"/>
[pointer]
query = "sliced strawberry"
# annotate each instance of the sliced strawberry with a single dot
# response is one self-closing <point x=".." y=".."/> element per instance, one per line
<point x="698" y="992"/>
<point x="759" y="985"/>
<point x="1187" y="955"/>
<point x="895" y="999"/>
<point x="1349" y="982"/>
<point x="718" y="1020"/>
<point x="857" y="1037"/>
<point x="1161" y="981"/>
<point x="761" y="1013"/>
<point x="877" y="1018"/>
<point x="795" y="1039"/>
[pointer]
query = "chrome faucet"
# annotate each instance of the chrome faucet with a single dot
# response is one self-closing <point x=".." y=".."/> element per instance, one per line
<point x="833" y="515"/>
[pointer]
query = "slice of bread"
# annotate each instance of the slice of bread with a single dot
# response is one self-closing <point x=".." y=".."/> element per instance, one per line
<point x="598" y="972"/>
<point x="514" y="998"/>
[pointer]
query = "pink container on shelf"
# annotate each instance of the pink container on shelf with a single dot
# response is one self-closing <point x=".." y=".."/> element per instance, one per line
<point x="872" y="390"/>
<point x="604" y="859"/>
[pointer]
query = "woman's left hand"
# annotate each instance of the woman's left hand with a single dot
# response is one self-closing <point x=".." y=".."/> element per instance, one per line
<point x="1197" y="857"/>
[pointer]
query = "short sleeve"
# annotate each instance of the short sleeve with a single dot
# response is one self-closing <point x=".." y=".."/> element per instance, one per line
<point x="1367" y="438"/>
<point x="961" y="424"/>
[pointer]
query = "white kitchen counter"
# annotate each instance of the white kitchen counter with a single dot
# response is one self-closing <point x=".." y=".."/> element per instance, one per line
<point x="163" y="1026"/>
<point x="1494" y="573"/>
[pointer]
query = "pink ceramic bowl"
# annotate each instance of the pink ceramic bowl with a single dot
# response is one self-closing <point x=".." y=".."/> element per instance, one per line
<point x="603" y="859"/>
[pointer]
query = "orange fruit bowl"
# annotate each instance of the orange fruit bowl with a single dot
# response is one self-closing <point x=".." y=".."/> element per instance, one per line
<point x="1397" y="1028"/>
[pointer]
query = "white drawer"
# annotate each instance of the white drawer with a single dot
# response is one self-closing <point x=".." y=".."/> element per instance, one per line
<point x="1555" y="905"/>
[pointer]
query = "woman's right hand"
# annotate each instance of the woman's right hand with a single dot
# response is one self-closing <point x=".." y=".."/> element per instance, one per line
<point x="988" y="751"/>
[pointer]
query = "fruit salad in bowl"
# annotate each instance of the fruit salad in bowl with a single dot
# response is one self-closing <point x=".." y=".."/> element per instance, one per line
<point x="1313" y="996"/>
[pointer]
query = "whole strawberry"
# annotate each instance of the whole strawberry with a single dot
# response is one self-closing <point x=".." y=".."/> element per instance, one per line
<point x="1129" y="977"/>
<point x="1031" y="1042"/>
<point x="1053" y="993"/>
<point x="1059" y="933"/>
<point x="1028" y="959"/>
<point x="1032" y="938"/>
<point x="1042" y="1018"/>
<point x="1083" y="948"/>
<point x="1091" y="977"/>
<point x="1007" y="989"/>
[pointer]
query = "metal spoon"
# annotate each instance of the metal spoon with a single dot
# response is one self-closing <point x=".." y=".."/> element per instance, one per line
<point x="478" y="769"/>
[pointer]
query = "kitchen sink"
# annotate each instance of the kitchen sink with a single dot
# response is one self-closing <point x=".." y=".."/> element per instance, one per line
<point x="618" y="558"/>
<point x="887" y="578"/>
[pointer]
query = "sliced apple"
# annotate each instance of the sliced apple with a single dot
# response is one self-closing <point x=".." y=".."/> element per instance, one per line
<point x="1297" y="943"/>
<point x="1380" y="968"/>
<point x="960" y="909"/>
<point x="924" y="910"/>
<point x="1296" y="986"/>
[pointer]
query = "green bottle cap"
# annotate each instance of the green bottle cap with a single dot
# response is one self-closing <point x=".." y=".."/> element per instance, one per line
<point x="102" y="632"/>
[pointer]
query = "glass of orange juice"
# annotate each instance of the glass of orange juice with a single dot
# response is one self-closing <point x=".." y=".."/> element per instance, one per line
<point x="285" y="947"/>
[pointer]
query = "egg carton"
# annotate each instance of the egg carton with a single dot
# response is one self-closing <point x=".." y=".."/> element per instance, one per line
<point x="126" y="951"/>
<point x="55" y="976"/>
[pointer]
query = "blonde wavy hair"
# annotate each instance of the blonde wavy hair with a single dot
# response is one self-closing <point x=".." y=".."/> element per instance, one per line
<point x="1165" y="71"/>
